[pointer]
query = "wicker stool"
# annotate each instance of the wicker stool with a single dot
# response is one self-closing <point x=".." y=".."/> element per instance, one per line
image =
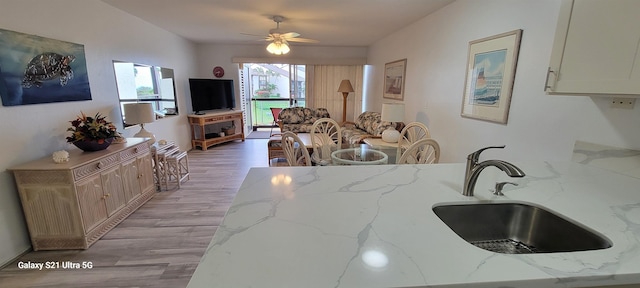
<point x="274" y="148"/>
<point x="160" y="163"/>
<point x="177" y="169"/>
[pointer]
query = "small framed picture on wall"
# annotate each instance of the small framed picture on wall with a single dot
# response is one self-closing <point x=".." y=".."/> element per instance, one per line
<point x="394" y="75"/>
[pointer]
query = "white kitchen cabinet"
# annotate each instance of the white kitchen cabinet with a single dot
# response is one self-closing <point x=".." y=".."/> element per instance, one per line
<point x="596" y="48"/>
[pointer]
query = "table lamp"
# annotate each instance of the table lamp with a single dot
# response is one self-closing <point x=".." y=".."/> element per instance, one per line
<point x="392" y="112"/>
<point x="345" y="88"/>
<point x="140" y="113"/>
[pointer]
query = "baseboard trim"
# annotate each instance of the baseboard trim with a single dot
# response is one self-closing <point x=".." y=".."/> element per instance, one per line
<point x="4" y="265"/>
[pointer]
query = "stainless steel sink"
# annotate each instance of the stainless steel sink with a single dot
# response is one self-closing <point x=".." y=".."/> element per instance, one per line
<point x="518" y="228"/>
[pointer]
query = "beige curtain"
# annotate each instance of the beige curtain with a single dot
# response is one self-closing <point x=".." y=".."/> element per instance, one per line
<point x="322" y="89"/>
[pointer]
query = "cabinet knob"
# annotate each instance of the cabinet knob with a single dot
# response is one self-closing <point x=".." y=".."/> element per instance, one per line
<point x="140" y="176"/>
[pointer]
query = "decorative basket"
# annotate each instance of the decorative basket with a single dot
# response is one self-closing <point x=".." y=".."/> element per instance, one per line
<point x="229" y="131"/>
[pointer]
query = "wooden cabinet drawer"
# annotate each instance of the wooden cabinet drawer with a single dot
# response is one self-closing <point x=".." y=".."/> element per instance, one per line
<point x="134" y="151"/>
<point x="214" y="118"/>
<point x="95" y="166"/>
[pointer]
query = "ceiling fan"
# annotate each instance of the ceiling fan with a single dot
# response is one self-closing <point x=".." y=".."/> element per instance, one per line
<point x="279" y="39"/>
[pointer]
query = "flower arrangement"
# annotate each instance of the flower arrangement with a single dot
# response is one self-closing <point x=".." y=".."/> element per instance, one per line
<point x="95" y="128"/>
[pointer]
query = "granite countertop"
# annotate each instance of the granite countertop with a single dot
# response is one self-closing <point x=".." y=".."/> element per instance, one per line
<point x="321" y="226"/>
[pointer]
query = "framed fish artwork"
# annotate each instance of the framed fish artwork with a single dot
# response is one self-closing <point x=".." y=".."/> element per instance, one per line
<point x="35" y="70"/>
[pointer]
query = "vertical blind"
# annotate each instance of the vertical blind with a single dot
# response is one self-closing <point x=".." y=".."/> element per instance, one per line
<point x="322" y="89"/>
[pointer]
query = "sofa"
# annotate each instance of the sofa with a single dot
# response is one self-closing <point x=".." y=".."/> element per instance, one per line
<point x="300" y="119"/>
<point x="367" y="125"/>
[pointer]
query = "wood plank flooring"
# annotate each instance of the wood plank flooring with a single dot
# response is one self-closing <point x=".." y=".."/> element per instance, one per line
<point x="161" y="243"/>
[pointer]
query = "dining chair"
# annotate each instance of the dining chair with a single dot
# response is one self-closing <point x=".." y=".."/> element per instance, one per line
<point x="326" y="137"/>
<point x="423" y="151"/>
<point x="410" y="134"/>
<point x="275" y="112"/>
<point x="294" y="150"/>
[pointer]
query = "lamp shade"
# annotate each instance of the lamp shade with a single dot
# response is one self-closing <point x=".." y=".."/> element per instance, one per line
<point x="278" y="47"/>
<point x="392" y="112"/>
<point x="345" y="86"/>
<point x="138" y="113"/>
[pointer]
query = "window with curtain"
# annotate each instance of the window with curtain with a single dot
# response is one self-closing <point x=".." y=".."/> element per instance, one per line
<point x="319" y="85"/>
<point x="322" y="88"/>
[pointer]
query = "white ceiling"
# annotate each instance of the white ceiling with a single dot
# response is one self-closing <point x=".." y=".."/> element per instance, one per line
<point x="332" y="22"/>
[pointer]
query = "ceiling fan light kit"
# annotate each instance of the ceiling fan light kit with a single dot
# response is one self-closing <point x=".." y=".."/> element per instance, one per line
<point x="279" y="41"/>
<point x="278" y="47"/>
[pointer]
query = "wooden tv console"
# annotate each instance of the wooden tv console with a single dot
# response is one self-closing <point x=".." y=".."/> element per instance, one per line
<point x="199" y="135"/>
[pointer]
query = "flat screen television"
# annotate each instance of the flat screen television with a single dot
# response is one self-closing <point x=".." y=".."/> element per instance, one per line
<point x="211" y="94"/>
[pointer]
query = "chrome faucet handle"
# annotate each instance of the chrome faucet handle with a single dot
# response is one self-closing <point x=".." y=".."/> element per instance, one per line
<point x="476" y="155"/>
<point x="500" y="186"/>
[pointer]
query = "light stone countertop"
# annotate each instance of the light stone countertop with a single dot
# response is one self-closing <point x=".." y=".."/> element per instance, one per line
<point x="316" y="226"/>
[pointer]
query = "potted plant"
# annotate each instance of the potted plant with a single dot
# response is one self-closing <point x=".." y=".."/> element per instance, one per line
<point x="91" y="133"/>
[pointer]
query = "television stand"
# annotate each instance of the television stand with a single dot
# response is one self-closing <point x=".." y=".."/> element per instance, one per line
<point x="199" y="135"/>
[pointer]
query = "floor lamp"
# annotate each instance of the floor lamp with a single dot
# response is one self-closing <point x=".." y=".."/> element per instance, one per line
<point x="140" y="113"/>
<point x="345" y="88"/>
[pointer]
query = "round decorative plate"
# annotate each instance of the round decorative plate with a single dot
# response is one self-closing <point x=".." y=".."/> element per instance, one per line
<point x="218" y="71"/>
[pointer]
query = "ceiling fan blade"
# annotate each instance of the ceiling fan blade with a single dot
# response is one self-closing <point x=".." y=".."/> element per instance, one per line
<point x="290" y="35"/>
<point x="302" y="40"/>
<point x="262" y="37"/>
<point x="249" y="34"/>
<point x="277" y="35"/>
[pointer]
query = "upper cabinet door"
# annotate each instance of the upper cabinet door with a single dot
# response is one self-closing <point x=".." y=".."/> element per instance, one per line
<point x="596" y="48"/>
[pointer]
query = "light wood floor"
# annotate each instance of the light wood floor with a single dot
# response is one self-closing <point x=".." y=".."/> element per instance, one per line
<point x="160" y="244"/>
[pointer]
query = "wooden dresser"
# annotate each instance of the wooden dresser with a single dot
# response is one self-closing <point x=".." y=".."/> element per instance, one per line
<point x="72" y="205"/>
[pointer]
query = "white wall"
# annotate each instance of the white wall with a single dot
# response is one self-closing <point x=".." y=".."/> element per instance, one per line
<point x="540" y="127"/>
<point x="35" y="131"/>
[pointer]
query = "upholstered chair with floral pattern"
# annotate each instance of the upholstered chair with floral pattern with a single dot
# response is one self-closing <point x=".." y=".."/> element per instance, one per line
<point x="300" y="119"/>
<point x="367" y="125"/>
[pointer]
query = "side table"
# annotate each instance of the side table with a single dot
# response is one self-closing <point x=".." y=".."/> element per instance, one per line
<point x="169" y="164"/>
<point x="378" y="142"/>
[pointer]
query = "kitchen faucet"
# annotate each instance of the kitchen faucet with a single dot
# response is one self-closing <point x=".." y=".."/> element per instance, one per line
<point x="474" y="168"/>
